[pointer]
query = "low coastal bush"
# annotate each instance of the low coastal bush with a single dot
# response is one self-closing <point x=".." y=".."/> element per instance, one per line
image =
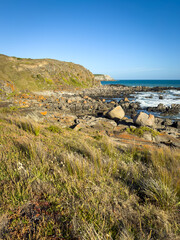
<point x="141" y="130"/>
<point x="54" y="129"/>
<point x="75" y="185"/>
<point x="8" y="109"/>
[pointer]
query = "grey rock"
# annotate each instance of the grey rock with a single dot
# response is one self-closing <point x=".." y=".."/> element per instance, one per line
<point x="143" y="119"/>
<point x="116" y="113"/>
<point x="167" y="140"/>
<point x="134" y="105"/>
<point x="125" y="105"/>
<point x="167" y="122"/>
<point x="161" y="107"/>
<point x="148" y="136"/>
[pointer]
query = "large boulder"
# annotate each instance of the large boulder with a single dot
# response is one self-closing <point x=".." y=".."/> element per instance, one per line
<point x="116" y="113"/>
<point x="143" y="119"/>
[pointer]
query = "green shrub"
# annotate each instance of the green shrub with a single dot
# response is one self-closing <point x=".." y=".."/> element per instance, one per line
<point x="141" y="130"/>
<point x="8" y="109"/>
<point x="54" y="129"/>
<point x="48" y="81"/>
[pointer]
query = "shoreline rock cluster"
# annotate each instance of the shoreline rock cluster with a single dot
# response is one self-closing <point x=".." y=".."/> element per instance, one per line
<point x="89" y="110"/>
<point x="164" y="110"/>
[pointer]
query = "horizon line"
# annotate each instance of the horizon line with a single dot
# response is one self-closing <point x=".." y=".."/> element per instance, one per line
<point x="144" y="79"/>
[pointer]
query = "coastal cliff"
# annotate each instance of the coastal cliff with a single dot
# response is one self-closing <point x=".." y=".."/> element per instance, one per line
<point x="76" y="166"/>
<point x="40" y="74"/>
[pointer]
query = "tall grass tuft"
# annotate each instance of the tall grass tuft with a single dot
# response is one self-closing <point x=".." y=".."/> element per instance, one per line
<point x="28" y="126"/>
<point x="159" y="193"/>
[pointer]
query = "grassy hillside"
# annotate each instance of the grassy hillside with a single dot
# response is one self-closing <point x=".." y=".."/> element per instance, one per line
<point x="40" y="74"/>
<point x="63" y="184"/>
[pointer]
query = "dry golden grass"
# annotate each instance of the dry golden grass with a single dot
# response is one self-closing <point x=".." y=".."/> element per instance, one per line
<point x="63" y="184"/>
<point x="18" y="74"/>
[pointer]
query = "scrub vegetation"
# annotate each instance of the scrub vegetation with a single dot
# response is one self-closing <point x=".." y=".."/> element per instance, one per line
<point x="20" y="74"/>
<point x="141" y="130"/>
<point x="57" y="183"/>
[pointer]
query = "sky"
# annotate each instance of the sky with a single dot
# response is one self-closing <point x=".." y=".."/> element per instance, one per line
<point x="127" y="39"/>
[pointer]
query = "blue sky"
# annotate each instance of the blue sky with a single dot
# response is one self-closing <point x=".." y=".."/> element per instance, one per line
<point x="128" y="39"/>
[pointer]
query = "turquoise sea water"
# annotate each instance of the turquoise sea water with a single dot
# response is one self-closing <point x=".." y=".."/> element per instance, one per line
<point x="148" y="83"/>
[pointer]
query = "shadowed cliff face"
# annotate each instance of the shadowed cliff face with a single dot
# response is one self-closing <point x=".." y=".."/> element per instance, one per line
<point x="39" y="74"/>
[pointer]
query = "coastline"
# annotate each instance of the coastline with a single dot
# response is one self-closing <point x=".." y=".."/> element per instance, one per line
<point x="86" y="108"/>
<point x="73" y="146"/>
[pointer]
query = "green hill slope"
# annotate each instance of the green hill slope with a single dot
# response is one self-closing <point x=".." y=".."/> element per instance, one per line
<point x="41" y="74"/>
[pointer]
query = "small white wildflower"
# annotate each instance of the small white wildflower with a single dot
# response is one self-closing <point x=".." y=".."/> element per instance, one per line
<point x="21" y="169"/>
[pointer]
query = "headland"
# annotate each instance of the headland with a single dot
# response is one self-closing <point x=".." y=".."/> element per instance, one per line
<point x="84" y="160"/>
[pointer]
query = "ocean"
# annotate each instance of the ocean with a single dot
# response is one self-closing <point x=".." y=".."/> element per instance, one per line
<point x="148" y="83"/>
<point x="152" y="99"/>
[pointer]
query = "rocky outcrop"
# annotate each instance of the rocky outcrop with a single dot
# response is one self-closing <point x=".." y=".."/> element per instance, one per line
<point x="167" y="140"/>
<point x="165" y="110"/>
<point x="102" y="77"/>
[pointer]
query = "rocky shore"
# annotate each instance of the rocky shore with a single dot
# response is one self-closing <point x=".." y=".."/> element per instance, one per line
<point x="90" y="109"/>
<point x="64" y="153"/>
<point x="79" y="160"/>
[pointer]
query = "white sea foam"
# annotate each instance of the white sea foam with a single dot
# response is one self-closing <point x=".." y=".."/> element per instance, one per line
<point x="151" y="99"/>
<point x="175" y="92"/>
